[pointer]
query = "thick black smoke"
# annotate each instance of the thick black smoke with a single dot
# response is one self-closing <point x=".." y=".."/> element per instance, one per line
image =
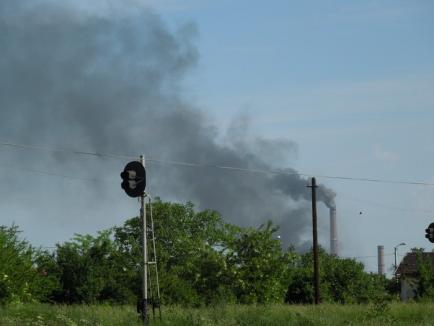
<point x="104" y="78"/>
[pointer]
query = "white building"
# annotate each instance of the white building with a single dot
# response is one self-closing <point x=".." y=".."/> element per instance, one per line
<point x="408" y="273"/>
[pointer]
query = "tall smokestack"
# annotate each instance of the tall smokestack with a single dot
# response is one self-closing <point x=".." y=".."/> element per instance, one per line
<point x="333" y="232"/>
<point x="380" y="260"/>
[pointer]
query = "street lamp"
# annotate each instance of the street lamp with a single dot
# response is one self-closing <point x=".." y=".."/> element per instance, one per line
<point x="395" y="250"/>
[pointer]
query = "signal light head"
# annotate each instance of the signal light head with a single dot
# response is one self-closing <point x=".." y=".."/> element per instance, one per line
<point x="134" y="179"/>
<point x="430" y="232"/>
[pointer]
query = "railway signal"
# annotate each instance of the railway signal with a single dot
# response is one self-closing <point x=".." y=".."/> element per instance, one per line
<point x="134" y="183"/>
<point x="430" y="232"/>
<point x="134" y="179"/>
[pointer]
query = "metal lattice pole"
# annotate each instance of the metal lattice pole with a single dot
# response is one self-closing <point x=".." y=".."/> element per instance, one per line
<point x="158" y="301"/>
<point x="144" y="302"/>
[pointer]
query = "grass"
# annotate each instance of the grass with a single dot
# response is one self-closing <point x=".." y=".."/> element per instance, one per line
<point x="327" y="314"/>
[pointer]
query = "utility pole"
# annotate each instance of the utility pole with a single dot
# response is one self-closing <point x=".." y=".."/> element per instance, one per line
<point x="380" y="250"/>
<point x="395" y="250"/>
<point x="315" y="243"/>
<point x="144" y="305"/>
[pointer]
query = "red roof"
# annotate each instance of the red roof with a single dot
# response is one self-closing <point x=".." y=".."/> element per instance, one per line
<point x="409" y="264"/>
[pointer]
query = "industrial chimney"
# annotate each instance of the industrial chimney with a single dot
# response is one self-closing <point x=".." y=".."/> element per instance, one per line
<point x="333" y="232"/>
<point x="380" y="260"/>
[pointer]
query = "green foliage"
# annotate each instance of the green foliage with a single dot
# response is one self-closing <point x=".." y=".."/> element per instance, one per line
<point x="20" y="278"/>
<point x="192" y="269"/>
<point x="72" y="315"/>
<point x="380" y="310"/>
<point x="89" y="269"/>
<point x="223" y="315"/>
<point x="425" y="285"/>
<point x="202" y="260"/>
<point x="342" y="281"/>
<point x="259" y="268"/>
<point x="189" y="246"/>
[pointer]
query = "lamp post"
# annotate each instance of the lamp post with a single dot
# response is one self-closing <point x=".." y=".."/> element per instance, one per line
<point x="395" y="251"/>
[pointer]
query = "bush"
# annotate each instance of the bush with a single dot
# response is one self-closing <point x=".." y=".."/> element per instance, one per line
<point x="341" y="280"/>
<point x="21" y="279"/>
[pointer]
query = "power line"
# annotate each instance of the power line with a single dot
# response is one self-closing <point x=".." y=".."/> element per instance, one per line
<point x="291" y="173"/>
<point x="216" y="166"/>
<point x="362" y="257"/>
<point x="101" y="180"/>
<point x="377" y="180"/>
<point x="384" y="206"/>
<point x="345" y="197"/>
<point x="225" y="167"/>
<point x="63" y="150"/>
<point x="51" y="174"/>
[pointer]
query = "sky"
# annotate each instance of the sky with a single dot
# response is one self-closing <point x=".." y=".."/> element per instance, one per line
<point x="350" y="82"/>
<point x="347" y="86"/>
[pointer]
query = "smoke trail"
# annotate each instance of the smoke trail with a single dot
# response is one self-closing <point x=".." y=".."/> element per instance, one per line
<point x="106" y="76"/>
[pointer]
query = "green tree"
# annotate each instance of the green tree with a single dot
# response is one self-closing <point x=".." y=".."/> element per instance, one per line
<point x="189" y="247"/>
<point x="21" y="280"/>
<point x="202" y="260"/>
<point x="91" y="269"/>
<point x="342" y="281"/>
<point x="425" y="285"/>
<point x="260" y="270"/>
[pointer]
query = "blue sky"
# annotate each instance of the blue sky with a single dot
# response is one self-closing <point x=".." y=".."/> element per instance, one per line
<point x="351" y="82"/>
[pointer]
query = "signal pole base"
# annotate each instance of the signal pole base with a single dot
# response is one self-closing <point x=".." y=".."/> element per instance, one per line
<point x="142" y="309"/>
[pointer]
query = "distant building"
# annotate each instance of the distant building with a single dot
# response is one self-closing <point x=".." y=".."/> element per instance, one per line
<point x="407" y="273"/>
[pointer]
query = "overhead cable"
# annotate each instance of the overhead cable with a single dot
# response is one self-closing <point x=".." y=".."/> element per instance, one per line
<point x="63" y="150"/>
<point x="216" y="166"/>
<point x="53" y="174"/>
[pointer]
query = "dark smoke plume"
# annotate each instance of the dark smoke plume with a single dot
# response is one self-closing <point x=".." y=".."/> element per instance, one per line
<point x="96" y="76"/>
